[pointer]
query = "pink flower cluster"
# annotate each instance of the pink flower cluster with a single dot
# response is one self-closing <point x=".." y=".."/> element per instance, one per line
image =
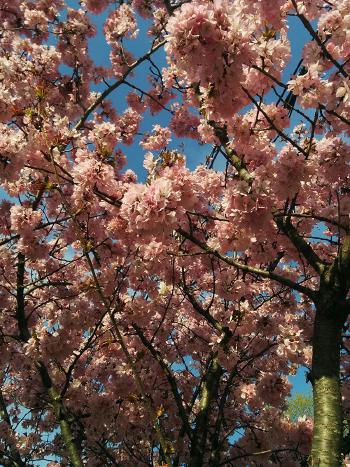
<point x="120" y="23"/>
<point x="159" y="139"/>
<point x="206" y="40"/>
<point x="24" y="219"/>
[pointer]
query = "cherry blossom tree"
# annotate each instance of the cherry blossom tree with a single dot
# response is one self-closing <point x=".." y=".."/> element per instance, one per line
<point x="156" y="322"/>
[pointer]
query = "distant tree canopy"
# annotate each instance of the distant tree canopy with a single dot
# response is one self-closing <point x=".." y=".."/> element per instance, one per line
<point x="299" y="406"/>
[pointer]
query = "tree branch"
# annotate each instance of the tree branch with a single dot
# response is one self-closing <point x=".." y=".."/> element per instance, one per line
<point x="300" y="244"/>
<point x="61" y="414"/>
<point x="316" y="37"/>
<point x="250" y="270"/>
<point x="317" y="218"/>
<point x="15" y="455"/>
<point x="114" y="86"/>
<point x="169" y="376"/>
<point x="24" y="333"/>
<point x="208" y="393"/>
<point x="205" y="313"/>
<point x="271" y="122"/>
<point x="344" y="263"/>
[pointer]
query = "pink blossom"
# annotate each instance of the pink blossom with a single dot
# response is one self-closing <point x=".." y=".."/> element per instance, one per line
<point x="184" y="123"/>
<point x="206" y="132"/>
<point x="120" y="22"/>
<point x="159" y="139"/>
<point x="23" y="219"/>
<point x="96" y="6"/>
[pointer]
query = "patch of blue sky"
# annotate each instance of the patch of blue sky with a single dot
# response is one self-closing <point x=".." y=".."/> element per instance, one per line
<point x="300" y="382"/>
<point x="319" y="234"/>
<point x="188" y="364"/>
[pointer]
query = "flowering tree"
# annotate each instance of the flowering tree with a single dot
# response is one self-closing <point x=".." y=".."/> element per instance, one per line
<point x="156" y="323"/>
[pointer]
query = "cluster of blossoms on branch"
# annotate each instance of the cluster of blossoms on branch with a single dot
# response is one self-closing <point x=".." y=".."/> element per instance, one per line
<point x="156" y="320"/>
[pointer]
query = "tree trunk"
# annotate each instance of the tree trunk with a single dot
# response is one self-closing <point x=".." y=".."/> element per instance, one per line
<point x="328" y="418"/>
<point x="208" y="394"/>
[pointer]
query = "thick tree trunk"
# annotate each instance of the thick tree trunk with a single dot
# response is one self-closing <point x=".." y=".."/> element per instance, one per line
<point x="328" y="419"/>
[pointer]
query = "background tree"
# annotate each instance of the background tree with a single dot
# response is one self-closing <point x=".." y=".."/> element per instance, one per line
<point x="156" y="322"/>
<point x="300" y="405"/>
